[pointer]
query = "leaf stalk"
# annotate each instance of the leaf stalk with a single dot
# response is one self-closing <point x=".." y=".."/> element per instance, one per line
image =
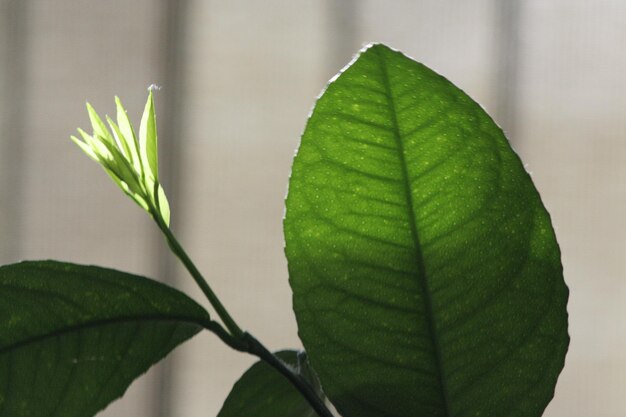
<point x="233" y="329"/>
<point x="256" y="348"/>
<point x="235" y="337"/>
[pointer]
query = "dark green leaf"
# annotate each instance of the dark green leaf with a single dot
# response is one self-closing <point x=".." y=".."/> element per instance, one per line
<point x="73" y="338"/>
<point x="263" y="392"/>
<point x="426" y="275"/>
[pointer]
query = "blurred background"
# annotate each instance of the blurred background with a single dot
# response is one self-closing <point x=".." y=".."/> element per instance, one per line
<point x="238" y="80"/>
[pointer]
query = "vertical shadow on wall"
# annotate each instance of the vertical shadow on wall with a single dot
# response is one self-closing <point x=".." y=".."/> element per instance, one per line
<point x="13" y="44"/>
<point x="507" y="30"/>
<point x="172" y="63"/>
<point x="343" y="39"/>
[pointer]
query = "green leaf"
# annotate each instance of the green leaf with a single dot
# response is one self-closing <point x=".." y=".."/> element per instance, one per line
<point x="85" y="148"/>
<point x="426" y="275"/>
<point x="137" y="198"/>
<point x="99" y="128"/>
<point x="121" y="167"/>
<point x="127" y="135"/>
<point x="73" y="338"/>
<point x="148" y="139"/>
<point x="263" y="392"/>
<point x="163" y="206"/>
<point x="122" y="143"/>
<point x="98" y="147"/>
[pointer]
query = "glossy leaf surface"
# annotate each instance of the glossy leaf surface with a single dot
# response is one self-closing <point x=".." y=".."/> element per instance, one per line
<point x="263" y="392"/>
<point x="73" y="338"/>
<point x="426" y="275"/>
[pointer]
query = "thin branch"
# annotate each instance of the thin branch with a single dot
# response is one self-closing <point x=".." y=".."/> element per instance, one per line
<point x="178" y="250"/>
<point x="256" y="348"/>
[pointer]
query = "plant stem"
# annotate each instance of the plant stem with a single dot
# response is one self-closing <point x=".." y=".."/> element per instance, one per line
<point x="178" y="250"/>
<point x="222" y="333"/>
<point x="238" y="339"/>
<point x="256" y="348"/>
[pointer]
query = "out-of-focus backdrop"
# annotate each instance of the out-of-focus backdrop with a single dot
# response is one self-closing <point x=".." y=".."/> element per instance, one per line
<point x="238" y="79"/>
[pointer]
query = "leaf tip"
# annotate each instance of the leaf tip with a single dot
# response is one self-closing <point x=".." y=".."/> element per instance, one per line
<point x="119" y="105"/>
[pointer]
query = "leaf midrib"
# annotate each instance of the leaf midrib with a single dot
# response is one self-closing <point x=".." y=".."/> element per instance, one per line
<point x="419" y="258"/>
<point x="100" y="323"/>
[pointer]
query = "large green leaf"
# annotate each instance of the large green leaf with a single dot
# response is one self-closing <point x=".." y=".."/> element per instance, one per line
<point x="263" y="392"/>
<point x="426" y="275"/>
<point x="73" y="338"/>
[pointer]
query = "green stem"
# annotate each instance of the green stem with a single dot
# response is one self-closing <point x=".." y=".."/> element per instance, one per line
<point x="236" y="344"/>
<point x="178" y="250"/>
<point x="238" y="339"/>
<point x="256" y="348"/>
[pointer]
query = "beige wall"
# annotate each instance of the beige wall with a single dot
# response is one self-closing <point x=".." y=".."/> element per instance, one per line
<point x="245" y="79"/>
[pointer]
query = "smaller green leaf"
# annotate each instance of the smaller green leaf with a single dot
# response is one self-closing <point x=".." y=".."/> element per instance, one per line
<point x="122" y="168"/>
<point x="98" y="148"/>
<point x="148" y="139"/>
<point x="127" y="134"/>
<point x="85" y="148"/>
<point x="114" y="164"/>
<point x="74" y="337"/>
<point x="263" y="392"/>
<point x="137" y="198"/>
<point x="162" y="204"/>
<point x="133" y="166"/>
<point x="99" y="128"/>
<point x="122" y="144"/>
